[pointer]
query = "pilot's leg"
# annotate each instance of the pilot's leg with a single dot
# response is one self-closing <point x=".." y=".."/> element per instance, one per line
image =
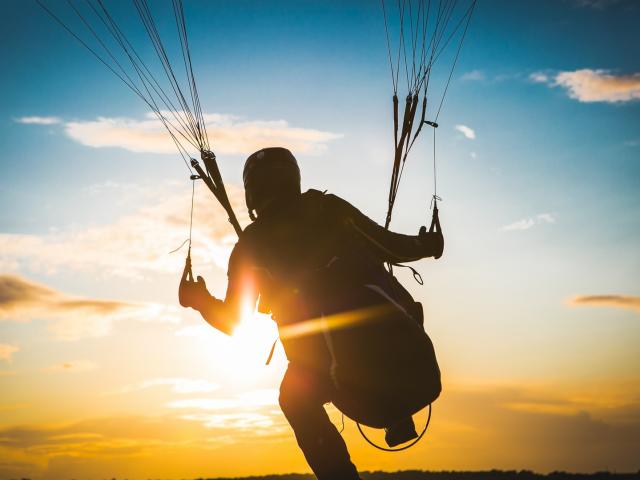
<point x="302" y="399"/>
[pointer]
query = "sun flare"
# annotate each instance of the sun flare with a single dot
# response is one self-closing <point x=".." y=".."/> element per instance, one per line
<point x="251" y="342"/>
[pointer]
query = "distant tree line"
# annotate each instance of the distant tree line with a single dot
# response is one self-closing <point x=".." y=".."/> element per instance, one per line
<point x="454" y="475"/>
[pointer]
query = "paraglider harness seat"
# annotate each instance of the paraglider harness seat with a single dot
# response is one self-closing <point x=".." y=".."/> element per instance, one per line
<point x="379" y="358"/>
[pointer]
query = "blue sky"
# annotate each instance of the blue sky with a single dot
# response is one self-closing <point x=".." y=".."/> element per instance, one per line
<point x="321" y="59"/>
<point x="538" y="287"/>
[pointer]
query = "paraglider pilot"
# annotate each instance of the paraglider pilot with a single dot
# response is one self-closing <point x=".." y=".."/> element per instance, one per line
<point x="308" y="256"/>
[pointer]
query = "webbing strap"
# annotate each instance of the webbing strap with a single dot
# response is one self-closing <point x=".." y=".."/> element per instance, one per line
<point x="271" y="352"/>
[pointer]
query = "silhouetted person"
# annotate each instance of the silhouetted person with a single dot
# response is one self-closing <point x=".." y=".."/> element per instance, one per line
<point x="285" y="258"/>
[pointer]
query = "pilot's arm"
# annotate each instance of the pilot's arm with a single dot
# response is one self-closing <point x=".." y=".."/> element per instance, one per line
<point x="225" y="314"/>
<point x="390" y="246"/>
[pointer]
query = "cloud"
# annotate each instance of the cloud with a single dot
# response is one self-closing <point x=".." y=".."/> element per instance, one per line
<point x="598" y="4"/>
<point x="616" y="301"/>
<point x="547" y="428"/>
<point x="466" y="131"/>
<point x="39" y="120"/>
<point x="143" y="447"/>
<point x="137" y="244"/>
<point x="600" y="86"/>
<point x="204" y="403"/>
<point x="130" y="193"/>
<point x="474" y="75"/>
<point x="86" y="437"/>
<point x="527" y="223"/>
<point x="69" y="317"/>
<point x="179" y="385"/>
<point x="245" y="411"/>
<point x="235" y="421"/>
<point x="7" y="350"/>
<point x="490" y="426"/>
<point x="545" y="218"/>
<point x="19" y="298"/>
<point x="539" y="77"/>
<point x="229" y="134"/>
<point x="489" y="78"/>
<point x="588" y="85"/>
<point x="524" y="224"/>
<point x="252" y="399"/>
<point x="76" y="366"/>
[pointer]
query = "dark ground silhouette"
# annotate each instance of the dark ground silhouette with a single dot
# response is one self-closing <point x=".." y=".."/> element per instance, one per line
<point x="459" y="475"/>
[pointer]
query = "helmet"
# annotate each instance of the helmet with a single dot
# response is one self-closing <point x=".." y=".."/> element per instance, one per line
<point x="268" y="174"/>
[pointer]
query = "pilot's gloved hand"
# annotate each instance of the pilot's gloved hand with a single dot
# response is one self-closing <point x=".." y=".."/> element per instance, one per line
<point x="432" y="241"/>
<point x="194" y="294"/>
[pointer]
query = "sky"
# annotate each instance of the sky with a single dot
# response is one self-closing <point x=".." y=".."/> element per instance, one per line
<point x="534" y="309"/>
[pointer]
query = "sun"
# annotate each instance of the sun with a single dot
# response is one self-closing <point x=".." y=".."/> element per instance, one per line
<point x="251" y="343"/>
<point x="238" y="360"/>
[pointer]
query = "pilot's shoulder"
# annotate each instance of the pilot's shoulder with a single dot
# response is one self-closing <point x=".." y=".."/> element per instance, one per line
<point x="327" y="199"/>
<point x="313" y="194"/>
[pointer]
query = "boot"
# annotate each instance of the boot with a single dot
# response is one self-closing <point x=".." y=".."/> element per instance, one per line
<point x="400" y="432"/>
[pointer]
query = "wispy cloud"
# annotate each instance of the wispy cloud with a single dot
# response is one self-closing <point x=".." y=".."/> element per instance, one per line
<point x="76" y="366"/>
<point x="204" y="403"/>
<point x="178" y="385"/>
<point x="233" y="421"/>
<point x="616" y="301"/>
<point x="136" y="244"/>
<point x="230" y="134"/>
<point x="84" y="449"/>
<point x="523" y="224"/>
<point x="468" y="132"/>
<point x="243" y="411"/>
<point x="539" y="77"/>
<point x="7" y="350"/>
<point x="527" y="223"/>
<point x="599" y="4"/>
<point x="105" y="439"/>
<point x="588" y="85"/>
<point x="70" y="317"/>
<point x="603" y="419"/>
<point x="20" y="297"/>
<point x="127" y="194"/>
<point x="35" y="120"/>
<point x="473" y="75"/>
<point x="252" y="399"/>
<point x="490" y="78"/>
